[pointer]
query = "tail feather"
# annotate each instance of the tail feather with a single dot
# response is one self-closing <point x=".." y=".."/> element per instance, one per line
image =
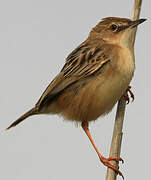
<point x="31" y="112"/>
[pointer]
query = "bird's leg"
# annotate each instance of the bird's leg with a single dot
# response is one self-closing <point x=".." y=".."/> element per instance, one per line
<point x="128" y="90"/>
<point x="105" y="161"/>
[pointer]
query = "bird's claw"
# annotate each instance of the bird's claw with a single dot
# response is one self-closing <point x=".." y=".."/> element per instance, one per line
<point x="106" y="162"/>
<point x="115" y="159"/>
<point x="126" y="95"/>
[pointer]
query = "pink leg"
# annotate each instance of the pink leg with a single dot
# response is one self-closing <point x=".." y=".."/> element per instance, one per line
<point x="105" y="161"/>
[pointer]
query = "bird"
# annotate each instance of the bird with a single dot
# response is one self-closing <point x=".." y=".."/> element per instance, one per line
<point x="94" y="77"/>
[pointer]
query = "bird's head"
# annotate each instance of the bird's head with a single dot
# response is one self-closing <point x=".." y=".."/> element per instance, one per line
<point x="116" y="30"/>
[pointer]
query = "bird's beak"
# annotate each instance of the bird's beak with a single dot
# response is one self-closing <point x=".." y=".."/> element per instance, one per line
<point x="132" y="24"/>
<point x="136" y="23"/>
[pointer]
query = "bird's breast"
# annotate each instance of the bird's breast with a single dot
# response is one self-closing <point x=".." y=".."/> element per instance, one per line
<point x="126" y="62"/>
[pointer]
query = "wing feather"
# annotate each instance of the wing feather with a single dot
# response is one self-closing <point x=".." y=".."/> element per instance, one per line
<point x="84" y="61"/>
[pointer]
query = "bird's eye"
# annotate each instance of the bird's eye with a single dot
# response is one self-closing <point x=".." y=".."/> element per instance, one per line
<point x="113" y="27"/>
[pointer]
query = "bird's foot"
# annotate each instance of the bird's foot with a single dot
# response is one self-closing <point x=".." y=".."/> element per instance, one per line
<point x="106" y="162"/>
<point x="126" y="95"/>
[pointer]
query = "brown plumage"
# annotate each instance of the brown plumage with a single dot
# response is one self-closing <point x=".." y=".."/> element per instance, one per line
<point x="96" y="74"/>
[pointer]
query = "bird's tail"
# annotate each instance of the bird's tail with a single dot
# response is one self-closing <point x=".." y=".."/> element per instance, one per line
<point x="31" y="112"/>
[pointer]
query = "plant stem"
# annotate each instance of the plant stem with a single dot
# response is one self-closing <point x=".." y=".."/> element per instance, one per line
<point x="118" y="126"/>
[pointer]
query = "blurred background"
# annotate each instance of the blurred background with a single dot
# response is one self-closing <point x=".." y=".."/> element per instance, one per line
<point x="35" y="38"/>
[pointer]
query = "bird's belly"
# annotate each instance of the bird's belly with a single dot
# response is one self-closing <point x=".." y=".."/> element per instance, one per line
<point x="88" y="99"/>
<point x="95" y="99"/>
<point x="92" y="97"/>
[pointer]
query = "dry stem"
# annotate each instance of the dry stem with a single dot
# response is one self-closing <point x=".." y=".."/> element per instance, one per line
<point x="117" y="132"/>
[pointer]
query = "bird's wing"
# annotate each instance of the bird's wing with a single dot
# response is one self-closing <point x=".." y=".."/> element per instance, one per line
<point x="86" y="60"/>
